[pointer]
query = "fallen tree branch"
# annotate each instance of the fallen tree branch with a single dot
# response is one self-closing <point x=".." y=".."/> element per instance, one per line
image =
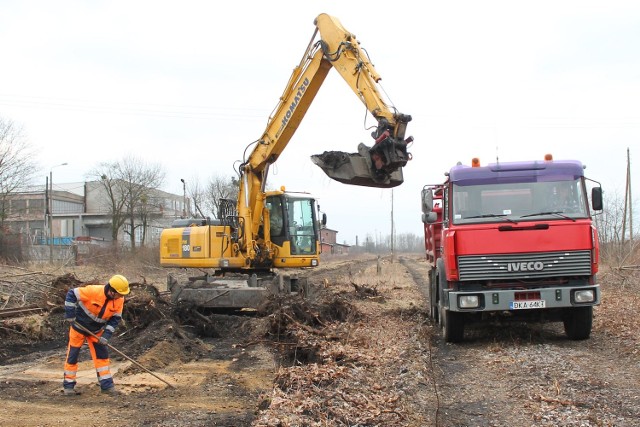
<point x="563" y="402"/>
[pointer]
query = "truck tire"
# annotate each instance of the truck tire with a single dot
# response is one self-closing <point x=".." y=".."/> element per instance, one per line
<point x="577" y="322"/>
<point x="452" y="325"/>
<point x="451" y="322"/>
<point x="433" y="295"/>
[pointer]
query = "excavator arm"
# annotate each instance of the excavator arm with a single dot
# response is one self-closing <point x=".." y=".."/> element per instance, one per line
<point x="379" y="165"/>
<point x="374" y="166"/>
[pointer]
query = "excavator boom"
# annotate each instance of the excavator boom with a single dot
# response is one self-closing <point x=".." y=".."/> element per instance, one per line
<point x="381" y="164"/>
<point x="378" y="165"/>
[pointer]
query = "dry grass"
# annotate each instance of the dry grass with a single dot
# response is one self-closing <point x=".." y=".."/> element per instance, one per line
<point x="362" y="377"/>
<point x="617" y="316"/>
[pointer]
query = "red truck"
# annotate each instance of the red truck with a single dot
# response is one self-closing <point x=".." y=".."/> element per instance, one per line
<point x="513" y="240"/>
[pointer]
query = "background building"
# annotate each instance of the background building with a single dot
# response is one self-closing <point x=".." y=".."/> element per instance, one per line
<point x="81" y="213"/>
<point x="328" y="243"/>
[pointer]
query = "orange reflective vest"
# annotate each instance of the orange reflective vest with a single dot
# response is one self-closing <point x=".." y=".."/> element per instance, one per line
<point x="93" y="309"/>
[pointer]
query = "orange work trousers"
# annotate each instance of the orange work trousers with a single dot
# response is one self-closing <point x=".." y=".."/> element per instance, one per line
<point x="99" y="354"/>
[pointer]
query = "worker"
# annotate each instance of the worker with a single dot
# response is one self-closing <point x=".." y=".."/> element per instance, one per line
<point x="97" y="309"/>
<point x="275" y="219"/>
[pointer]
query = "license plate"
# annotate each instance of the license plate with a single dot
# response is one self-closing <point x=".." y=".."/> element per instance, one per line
<point x="523" y="305"/>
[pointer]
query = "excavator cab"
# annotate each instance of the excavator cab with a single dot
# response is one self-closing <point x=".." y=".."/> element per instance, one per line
<point x="293" y="229"/>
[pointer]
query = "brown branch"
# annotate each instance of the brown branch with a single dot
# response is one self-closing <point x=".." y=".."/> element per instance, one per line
<point x="559" y="401"/>
<point x="304" y="327"/>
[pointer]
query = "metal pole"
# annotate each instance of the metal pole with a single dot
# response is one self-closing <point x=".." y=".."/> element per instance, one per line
<point x="51" y="216"/>
<point x="630" y="196"/>
<point x="184" y="198"/>
<point x="392" y="230"/>
<point x="51" y="210"/>
<point x="45" y="229"/>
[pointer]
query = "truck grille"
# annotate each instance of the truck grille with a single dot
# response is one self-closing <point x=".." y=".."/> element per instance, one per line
<point x="524" y="266"/>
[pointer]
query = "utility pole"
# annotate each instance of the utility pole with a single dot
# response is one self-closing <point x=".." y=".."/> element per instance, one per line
<point x="630" y="197"/>
<point x="392" y="229"/>
<point x="184" y="198"/>
<point x="627" y="203"/>
<point x="47" y="213"/>
<point x="50" y="207"/>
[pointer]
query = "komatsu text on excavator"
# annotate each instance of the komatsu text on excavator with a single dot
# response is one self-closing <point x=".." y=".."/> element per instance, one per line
<point x="264" y="231"/>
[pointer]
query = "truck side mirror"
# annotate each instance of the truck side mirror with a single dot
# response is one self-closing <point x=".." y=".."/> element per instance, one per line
<point x="596" y="198"/>
<point x="429" y="217"/>
<point x="427" y="201"/>
<point x="324" y="219"/>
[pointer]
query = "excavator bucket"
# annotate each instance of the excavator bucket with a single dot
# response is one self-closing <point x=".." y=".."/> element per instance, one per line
<point x="388" y="157"/>
<point x="354" y="169"/>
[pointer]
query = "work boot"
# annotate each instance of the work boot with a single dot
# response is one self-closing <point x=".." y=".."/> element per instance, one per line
<point x="71" y="392"/>
<point x="111" y="391"/>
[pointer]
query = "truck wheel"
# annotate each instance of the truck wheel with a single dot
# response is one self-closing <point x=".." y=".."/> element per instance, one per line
<point x="433" y="296"/>
<point x="452" y="325"/>
<point x="433" y="312"/>
<point x="578" y="322"/>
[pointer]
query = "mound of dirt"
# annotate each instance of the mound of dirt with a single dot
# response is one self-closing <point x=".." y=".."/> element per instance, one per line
<point x="167" y="332"/>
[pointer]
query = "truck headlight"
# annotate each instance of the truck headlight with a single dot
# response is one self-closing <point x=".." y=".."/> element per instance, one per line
<point x="468" y="301"/>
<point x="314" y="263"/>
<point x="584" y="296"/>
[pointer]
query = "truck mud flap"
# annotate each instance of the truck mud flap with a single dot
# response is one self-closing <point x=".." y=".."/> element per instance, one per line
<point x="355" y="169"/>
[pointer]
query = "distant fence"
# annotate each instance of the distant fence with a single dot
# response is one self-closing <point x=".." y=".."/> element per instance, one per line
<point x="50" y="253"/>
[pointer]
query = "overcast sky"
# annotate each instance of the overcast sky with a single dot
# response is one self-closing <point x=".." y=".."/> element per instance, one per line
<point x="189" y="84"/>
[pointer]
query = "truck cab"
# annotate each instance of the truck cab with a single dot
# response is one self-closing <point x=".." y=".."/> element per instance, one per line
<point x="514" y="240"/>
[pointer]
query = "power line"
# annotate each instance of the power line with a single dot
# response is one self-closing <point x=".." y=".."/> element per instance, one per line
<point x="140" y="109"/>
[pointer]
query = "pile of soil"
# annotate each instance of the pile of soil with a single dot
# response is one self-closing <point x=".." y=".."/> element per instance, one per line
<point x="147" y="320"/>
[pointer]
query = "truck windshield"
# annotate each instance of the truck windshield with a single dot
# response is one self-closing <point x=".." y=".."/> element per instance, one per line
<point x="513" y="201"/>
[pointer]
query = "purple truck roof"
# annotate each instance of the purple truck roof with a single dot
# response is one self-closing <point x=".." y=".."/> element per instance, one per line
<point x="532" y="171"/>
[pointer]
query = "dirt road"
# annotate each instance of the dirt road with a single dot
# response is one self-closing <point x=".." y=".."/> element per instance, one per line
<point x="531" y="375"/>
<point x="359" y="351"/>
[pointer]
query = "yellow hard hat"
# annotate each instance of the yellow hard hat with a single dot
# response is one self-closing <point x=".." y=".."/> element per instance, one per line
<point x="120" y="284"/>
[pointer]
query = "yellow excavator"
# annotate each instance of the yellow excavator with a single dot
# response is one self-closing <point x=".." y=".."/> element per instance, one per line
<point x="262" y="232"/>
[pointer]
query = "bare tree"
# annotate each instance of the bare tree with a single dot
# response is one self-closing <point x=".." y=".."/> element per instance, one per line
<point x="409" y="242"/>
<point x="130" y="185"/>
<point x="610" y="225"/>
<point x="105" y="174"/>
<point x="196" y="195"/>
<point x="144" y="210"/>
<point x="218" y="188"/>
<point x="140" y="180"/>
<point x="16" y="165"/>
